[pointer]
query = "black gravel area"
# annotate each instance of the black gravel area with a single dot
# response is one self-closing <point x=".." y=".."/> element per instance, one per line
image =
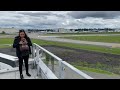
<point x="9" y="51"/>
<point x="104" y="61"/>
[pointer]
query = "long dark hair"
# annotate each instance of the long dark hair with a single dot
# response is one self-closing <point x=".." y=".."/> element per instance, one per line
<point x="22" y="30"/>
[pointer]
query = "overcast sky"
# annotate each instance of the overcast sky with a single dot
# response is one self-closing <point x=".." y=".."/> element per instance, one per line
<point x="60" y="19"/>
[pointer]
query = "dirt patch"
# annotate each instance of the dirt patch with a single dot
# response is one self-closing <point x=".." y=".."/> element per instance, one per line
<point x="104" y="61"/>
<point x="75" y="55"/>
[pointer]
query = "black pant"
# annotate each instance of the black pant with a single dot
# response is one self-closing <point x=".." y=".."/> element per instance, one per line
<point x="25" y="58"/>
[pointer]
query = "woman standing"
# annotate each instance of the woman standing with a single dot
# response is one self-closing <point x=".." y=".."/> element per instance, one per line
<point x="22" y="44"/>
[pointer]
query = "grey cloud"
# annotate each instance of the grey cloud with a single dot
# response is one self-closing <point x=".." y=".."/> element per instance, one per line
<point x="43" y="14"/>
<point x="42" y="21"/>
<point x="51" y="19"/>
<point x="96" y="14"/>
<point x="35" y="14"/>
<point x="59" y="15"/>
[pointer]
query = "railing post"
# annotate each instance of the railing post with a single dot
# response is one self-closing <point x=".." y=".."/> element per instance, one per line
<point x="33" y="51"/>
<point x="52" y="63"/>
<point x="37" y="60"/>
<point x="34" y="57"/>
<point x="41" y="54"/>
<point x="61" y="70"/>
<point x="47" y="59"/>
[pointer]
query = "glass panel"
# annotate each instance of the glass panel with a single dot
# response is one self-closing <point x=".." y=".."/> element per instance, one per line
<point x="70" y="74"/>
<point x="51" y="63"/>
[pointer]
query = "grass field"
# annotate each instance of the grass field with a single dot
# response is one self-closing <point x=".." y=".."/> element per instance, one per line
<point x="76" y="46"/>
<point x="110" y="39"/>
<point x="97" y="67"/>
<point x="2" y="34"/>
<point x="1" y="46"/>
<point x="93" y="70"/>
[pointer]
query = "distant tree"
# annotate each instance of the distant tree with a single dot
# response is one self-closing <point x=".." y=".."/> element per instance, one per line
<point x="3" y="32"/>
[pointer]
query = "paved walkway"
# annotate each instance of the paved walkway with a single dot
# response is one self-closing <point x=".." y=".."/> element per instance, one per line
<point x="15" y="75"/>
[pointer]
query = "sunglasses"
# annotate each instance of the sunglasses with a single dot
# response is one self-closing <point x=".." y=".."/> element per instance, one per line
<point x="21" y="31"/>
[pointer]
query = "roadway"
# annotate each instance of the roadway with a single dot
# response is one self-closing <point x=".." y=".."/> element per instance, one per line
<point x="57" y="39"/>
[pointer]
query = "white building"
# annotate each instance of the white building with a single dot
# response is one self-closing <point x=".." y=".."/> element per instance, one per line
<point x="9" y="30"/>
<point x="62" y="30"/>
<point x="117" y="30"/>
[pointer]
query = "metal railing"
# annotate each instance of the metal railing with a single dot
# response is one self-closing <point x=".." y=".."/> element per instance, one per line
<point x="49" y="66"/>
<point x="52" y="67"/>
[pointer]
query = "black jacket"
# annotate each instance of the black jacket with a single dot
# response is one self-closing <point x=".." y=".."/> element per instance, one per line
<point x="17" y="45"/>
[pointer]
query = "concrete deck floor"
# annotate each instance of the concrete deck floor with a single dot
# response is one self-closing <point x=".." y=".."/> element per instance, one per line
<point x="15" y="75"/>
